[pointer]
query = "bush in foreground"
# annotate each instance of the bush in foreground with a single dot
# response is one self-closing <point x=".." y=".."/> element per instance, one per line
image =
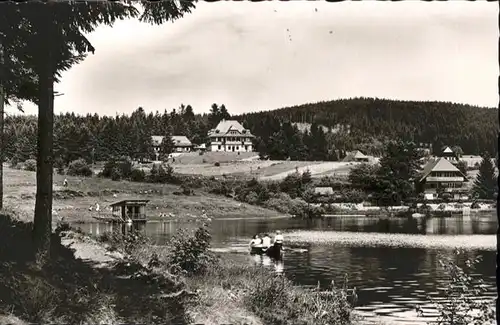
<point x="190" y="251"/>
<point x="463" y="290"/>
<point x="277" y="301"/>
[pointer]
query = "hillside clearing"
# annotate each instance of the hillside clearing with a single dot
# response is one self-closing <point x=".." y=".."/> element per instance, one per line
<point x="317" y="169"/>
<point x="73" y="202"/>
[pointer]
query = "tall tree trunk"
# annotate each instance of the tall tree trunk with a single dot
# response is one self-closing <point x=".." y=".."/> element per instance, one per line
<point x="498" y="203"/>
<point x="2" y="146"/>
<point x="42" y="227"/>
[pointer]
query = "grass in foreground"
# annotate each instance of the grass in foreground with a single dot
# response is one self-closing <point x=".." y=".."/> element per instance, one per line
<point x="229" y="292"/>
<point x="180" y="283"/>
<point x="72" y="291"/>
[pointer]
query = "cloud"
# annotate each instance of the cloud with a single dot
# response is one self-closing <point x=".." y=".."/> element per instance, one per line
<point x="256" y="56"/>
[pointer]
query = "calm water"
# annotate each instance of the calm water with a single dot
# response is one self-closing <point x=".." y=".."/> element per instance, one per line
<point x="390" y="281"/>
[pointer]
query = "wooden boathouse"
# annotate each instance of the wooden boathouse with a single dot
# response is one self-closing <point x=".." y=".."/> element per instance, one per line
<point x="126" y="211"/>
<point x="133" y="210"/>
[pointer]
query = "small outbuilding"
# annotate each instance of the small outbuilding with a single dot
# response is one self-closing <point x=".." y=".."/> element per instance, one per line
<point x="323" y="190"/>
<point x="134" y="210"/>
<point x="356" y="156"/>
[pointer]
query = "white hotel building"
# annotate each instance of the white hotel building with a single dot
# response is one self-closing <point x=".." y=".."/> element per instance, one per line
<point x="230" y="136"/>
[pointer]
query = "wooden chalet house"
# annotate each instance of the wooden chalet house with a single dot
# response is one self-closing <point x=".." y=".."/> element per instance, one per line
<point x="181" y="144"/>
<point x="440" y="176"/>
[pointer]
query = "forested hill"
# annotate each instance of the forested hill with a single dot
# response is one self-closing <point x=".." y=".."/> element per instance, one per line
<point x="371" y="121"/>
<point x="364" y="124"/>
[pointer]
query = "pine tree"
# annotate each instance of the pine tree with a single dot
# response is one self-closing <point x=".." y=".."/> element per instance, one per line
<point x="399" y="167"/>
<point x="213" y="116"/>
<point x="485" y="185"/>
<point x="167" y="145"/>
<point x="223" y="113"/>
<point x="188" y="114"/>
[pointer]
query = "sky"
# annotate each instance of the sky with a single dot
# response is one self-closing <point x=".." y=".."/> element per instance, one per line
<point x="262" y="56"/>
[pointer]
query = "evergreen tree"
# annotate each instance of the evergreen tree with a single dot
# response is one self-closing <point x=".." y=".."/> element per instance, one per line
<point x="188" y="113"/>
<point x="398" y="170"/>
<point x="485" y="186"/>
<point x="167" y="145"/>
<point x="462" y="166"/>
<point x="213" y="116"/>
<point x="223" y="113"/>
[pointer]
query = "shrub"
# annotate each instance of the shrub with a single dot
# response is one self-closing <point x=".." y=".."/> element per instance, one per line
<point x="190" y="251"/>
<point x="279" y="202"/>
<point x="252" y="198"/>
<point x="160" y="174"/>
<point x="116" y="174"/>
<point x="462" y="290"/>
<point x="126" y="243"/>
<point x="137" y="175"/>
<point x="220" y="188"/>
<point x="301" y="209"/>
<point x="364" y="176"/>
<point x="117" y="169"/>
<point x="186" y="189"/>
<point x="30" y="165"/>
<point x="79" y="167"/>
<point x="13" y="163"/>
<point x="295" y="184"/>
<point x="274" y="299"/>
<point x="59" y="166"/>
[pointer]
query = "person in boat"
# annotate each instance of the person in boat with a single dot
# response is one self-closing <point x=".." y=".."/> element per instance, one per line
<point x="256" y="241"/>
<point x="266" y="241"/>
<point x="278" y="239"/>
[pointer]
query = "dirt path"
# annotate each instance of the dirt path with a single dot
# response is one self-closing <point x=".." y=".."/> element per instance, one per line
<point x="314" y="169"/>
<point x="220" y="306"/>
<point x="89" y="250"/>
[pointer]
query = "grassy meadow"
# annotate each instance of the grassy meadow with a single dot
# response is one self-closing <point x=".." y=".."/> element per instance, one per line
<point x="73" y="202"/>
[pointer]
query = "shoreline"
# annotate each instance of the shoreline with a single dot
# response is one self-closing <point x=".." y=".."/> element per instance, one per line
<point x="180" y="220"/>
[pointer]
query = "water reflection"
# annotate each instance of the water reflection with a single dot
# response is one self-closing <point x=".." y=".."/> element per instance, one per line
<point x="264" y="260"/>
<point x="226" y="231"/>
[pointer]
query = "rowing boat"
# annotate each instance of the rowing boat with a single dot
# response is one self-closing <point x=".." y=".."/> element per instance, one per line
<point x="275" y="251"/>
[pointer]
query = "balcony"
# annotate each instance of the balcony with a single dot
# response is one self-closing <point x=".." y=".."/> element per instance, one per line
<point x="231" y="143"/>
<point x="133" y="216"/>
<point x="445" y="179"/>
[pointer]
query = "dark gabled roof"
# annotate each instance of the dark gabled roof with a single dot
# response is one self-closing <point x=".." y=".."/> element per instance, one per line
<point x="356" y="154"/>
<point x="181" y="140"/>
<point x="439" y="165"/>
<point x="126" y="202"/>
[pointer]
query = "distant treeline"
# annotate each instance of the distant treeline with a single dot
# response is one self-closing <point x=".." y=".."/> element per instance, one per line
<point x="367" y="123"/>
<point x="335" y="128"/>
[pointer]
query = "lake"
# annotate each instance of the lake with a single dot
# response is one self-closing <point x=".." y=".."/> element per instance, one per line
<point x="390" y="279"/>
